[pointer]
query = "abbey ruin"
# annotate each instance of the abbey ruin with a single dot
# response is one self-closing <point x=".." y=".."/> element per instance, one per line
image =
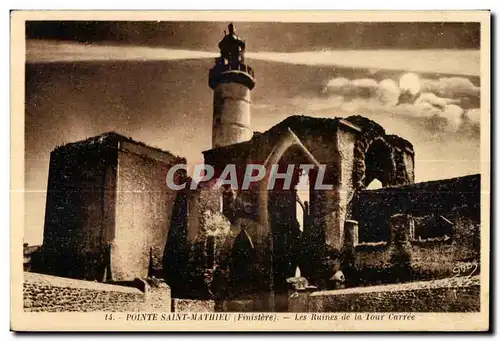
<point x="111" y="218"/>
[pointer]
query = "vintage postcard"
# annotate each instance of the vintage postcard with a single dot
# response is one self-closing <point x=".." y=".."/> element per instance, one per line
<point x="250" y="171"/>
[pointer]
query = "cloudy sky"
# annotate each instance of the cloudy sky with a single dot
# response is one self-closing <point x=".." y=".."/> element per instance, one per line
<point x="149" y="81"/>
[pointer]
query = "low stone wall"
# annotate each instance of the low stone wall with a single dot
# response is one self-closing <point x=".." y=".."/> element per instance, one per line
<point x="44" y="293"/>
<point x="460" y="294"/>
<point x="193" y="306"/>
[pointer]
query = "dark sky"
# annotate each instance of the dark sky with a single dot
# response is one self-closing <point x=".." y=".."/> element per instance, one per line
<point x="277" y="37"/>
<point x="84" y="79"/>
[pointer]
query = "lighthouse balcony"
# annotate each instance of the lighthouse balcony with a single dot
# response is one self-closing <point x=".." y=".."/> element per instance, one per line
<point x="226" y="71"/>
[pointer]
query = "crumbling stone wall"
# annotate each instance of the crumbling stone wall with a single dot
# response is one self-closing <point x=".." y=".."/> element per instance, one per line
<point x="440" y="258"/>
<point x="44" y="293"/>
<point x="450" y="198"/>
<point x="208" y="245"/>
<point x="453" y="250"/>
<point x="388" y="262"/>
<point x="404" y="160"/>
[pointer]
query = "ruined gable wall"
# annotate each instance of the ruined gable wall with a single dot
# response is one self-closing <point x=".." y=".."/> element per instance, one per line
<point x="319" y="136"/>
<point x="375" y="264"/>
<point x="342" y="146"/>
<point x="404" y="160"/>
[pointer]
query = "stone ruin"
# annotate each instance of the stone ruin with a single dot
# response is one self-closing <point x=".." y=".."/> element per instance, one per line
<point x="227" y="244"/>
<point x="110" y="216"/>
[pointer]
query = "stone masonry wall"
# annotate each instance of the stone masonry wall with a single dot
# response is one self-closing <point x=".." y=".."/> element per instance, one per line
<point x="441" y="234"/>
<point x="44" y="293"/>
<point x="144" y="206"/>
<point x="461" y="294"/>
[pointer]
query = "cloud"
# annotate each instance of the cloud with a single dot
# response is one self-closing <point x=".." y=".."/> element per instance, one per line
<point x="389" y="92"/>
<point x="386" y="92"/>
<point x="432" y="102"/>
<point x="42" y="51"/>
<point x="456" y="62"/>
<point x="437" y="113"/>
<point x="363" y="88"/>
<point x="450" y="87"/>
<point x="465" y="62"/>
<point x="453" y="114"/>
<point x="473" y="116"/>
<point x="439" y="106"/>
<point x="460" y="88"/>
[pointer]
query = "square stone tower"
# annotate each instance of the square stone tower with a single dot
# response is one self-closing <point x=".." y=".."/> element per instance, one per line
<point x="108" y="210"/>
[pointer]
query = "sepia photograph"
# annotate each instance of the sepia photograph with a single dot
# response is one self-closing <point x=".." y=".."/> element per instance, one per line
<point x="217" y="172"/>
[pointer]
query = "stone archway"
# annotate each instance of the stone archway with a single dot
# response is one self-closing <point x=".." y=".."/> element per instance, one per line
<point x="287" y="140"/>
<point x="264" y="238"/>
<point x="388" y="158"/>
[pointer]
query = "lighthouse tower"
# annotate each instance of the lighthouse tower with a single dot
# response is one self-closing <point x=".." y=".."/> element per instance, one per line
<point x="232" y="80"/>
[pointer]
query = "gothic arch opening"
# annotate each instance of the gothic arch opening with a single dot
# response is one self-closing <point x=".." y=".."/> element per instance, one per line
<point x="278" y="213"/>
<point x="286" y="221"/>
<point x="379" y="163"/>
<point x="287" y="140"/>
